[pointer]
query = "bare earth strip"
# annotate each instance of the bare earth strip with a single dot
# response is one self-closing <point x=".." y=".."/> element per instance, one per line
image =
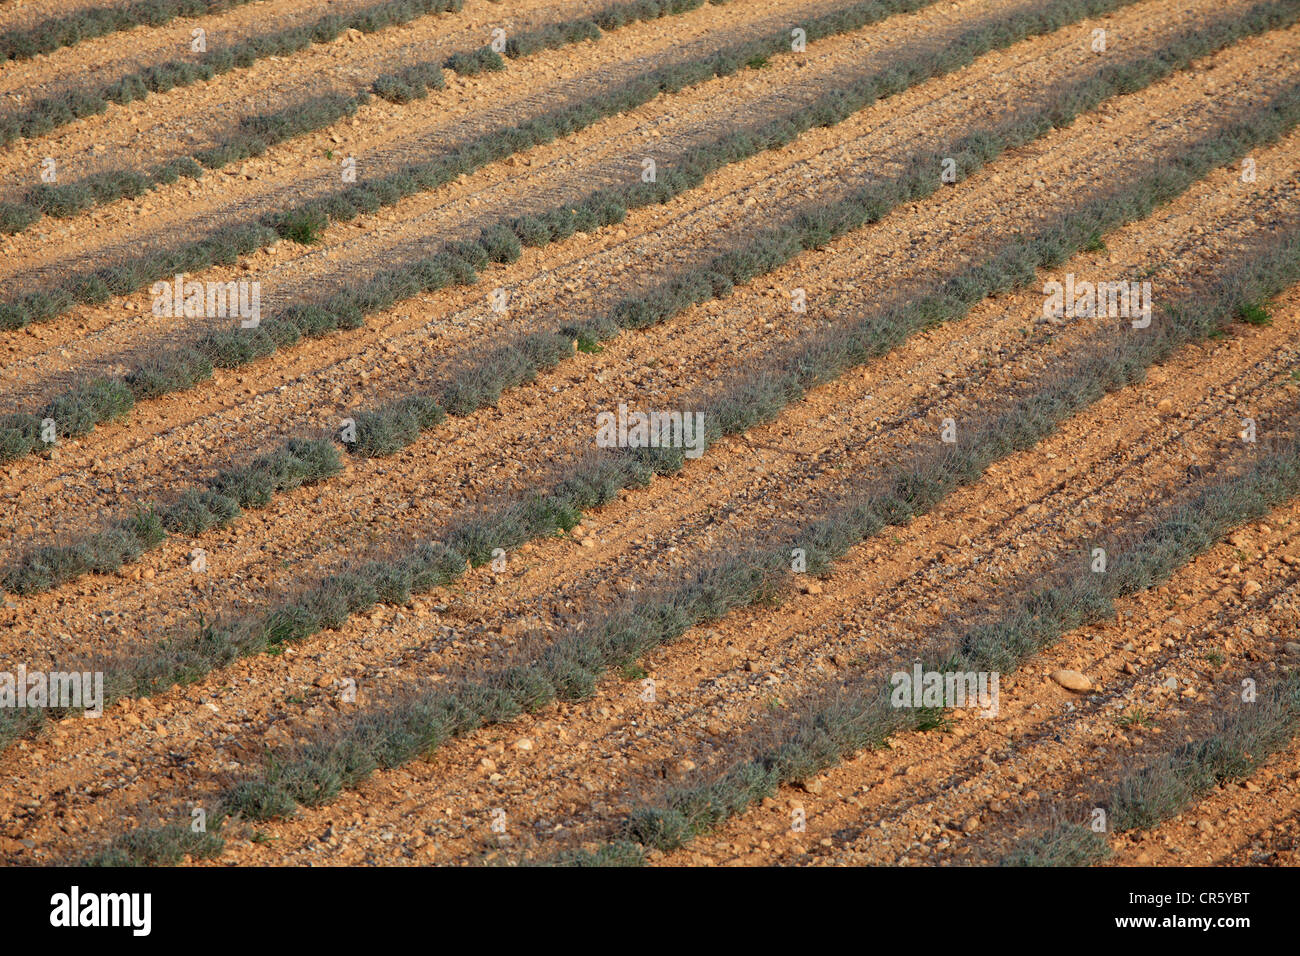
<point x="379" y="360"/>
<point x="962" y="798"/>
<point x="660" y="506"/>
<point x="452" y="472"/>
<point x="159" y="128"/>
<point x="567" y="776"/>
<point x="894" y="593"/>
<point x="103" y="59"/>
<point x="607" y="151"/>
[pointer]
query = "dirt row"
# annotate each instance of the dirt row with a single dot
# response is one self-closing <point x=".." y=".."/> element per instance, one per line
<point x="609" y="151"/>
<point x="964" y="797"/>
<point x="572" y="772"/>
<point x="389" y="355"/>
<point x="461" y="467"/>
<point x="381" y="136"/>
<point x="102" y="60"/>
<point x="154" y="128"/>
<point x="1252" y="822"/>
<point x="880" y="611"/>
<point x="683" y="511"/>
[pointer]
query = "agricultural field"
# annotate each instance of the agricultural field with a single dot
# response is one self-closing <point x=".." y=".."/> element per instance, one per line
<point x="650" y="433"/>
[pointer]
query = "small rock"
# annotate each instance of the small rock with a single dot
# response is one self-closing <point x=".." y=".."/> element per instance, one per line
<point x="1072" y="680"/>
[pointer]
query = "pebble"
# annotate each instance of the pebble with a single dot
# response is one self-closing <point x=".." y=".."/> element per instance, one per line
<point x="1072" y="680"/>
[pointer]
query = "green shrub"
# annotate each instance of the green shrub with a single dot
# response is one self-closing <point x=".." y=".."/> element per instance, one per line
<point x="198" y="511"/>
<point x="81" y="408"/>
<point x="388" y="430"/>
<point x="1254" y="314"/>
<point x="303" y="225"/>
<point x="15" y="217"/>
<point x="411" y="83"/>
<point x="1063" y="845"/>
<point x="146" y="526"/>
<point x="471" y="64"/>
<point x="231" y="348"/>
<point x="162" y="846"/>
<point x="171" y="371"/>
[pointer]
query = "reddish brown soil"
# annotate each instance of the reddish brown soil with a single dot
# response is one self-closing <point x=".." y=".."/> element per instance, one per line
<point x="567" y="776"/>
